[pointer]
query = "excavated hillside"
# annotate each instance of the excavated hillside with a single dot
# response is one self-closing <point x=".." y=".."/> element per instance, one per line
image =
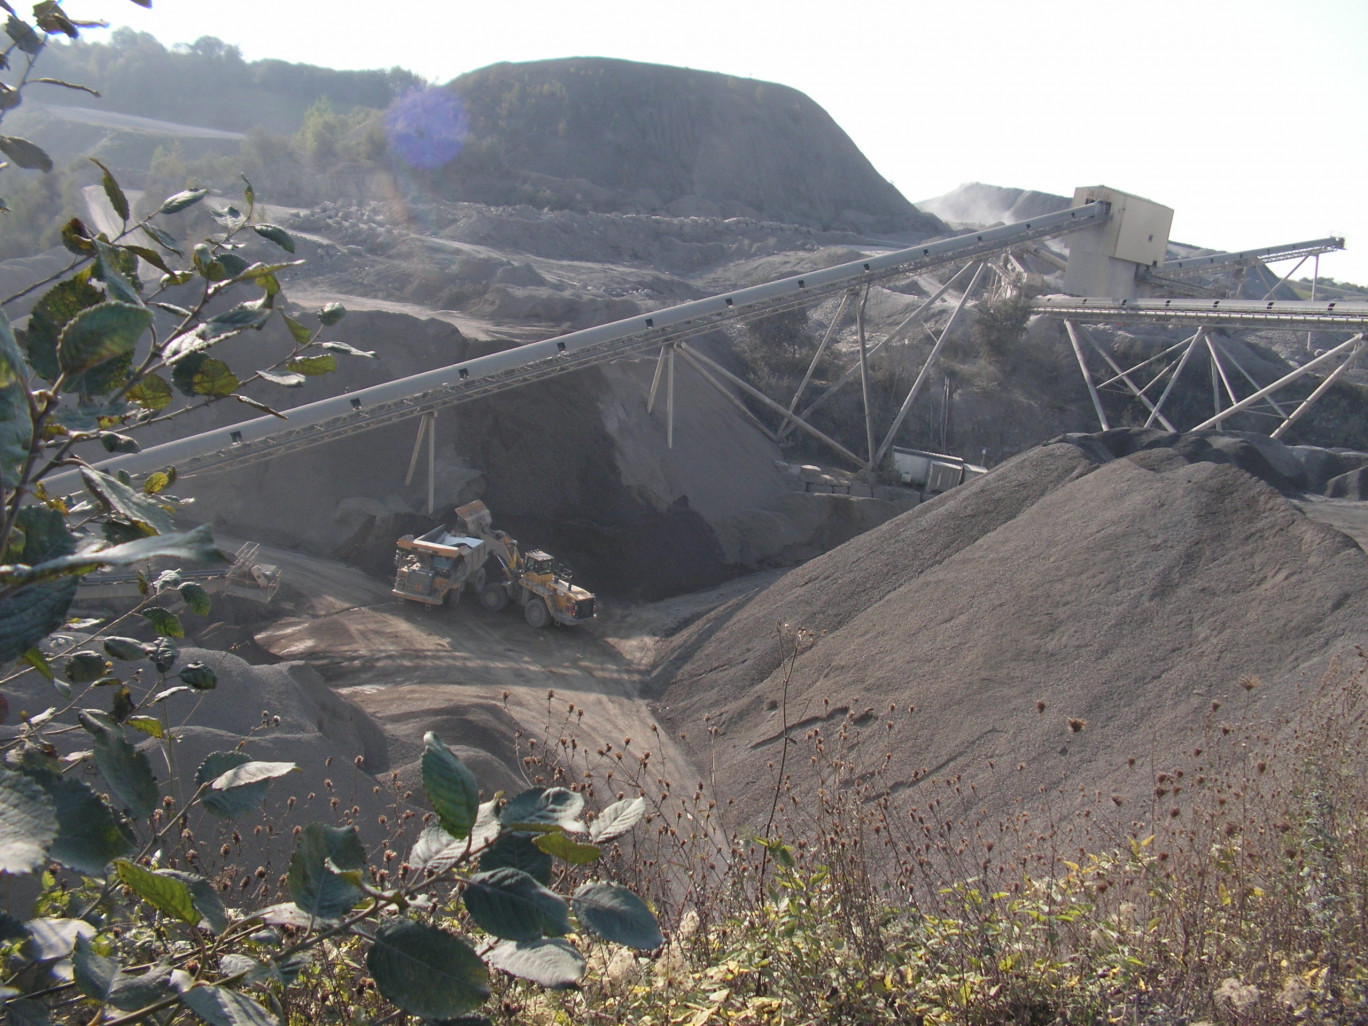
<point x="596" y="134"/>
<point x="1127" y="580"/>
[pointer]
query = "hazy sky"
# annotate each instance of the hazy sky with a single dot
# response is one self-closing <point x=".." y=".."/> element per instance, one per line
<point x="1248" y="117"/>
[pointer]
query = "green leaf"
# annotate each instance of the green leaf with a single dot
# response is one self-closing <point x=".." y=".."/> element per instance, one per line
<point x="23" y="35"/>
<point x="518" y="851"/>
<point x="117" y="200"/>
<point x="548" y="962"/>
<point x="163" y="654"/>
<point x="438" y="851"/>
<point x="121" y="706"/>
<point x="544" y="809"/>
<point x="51" y="938"/>
<point x="331" y="314"/>
<point x="152" y="392"/>
<point x="25" y="154"/>
<point x="164" y="893"/>
<point x="205" y="898"/>
<point x="220" y="1006"/>
<point x="156" y="482"/>
<point x="91" y="834"/>
<point x="143" y="512"/>
<point x="28" y="823"/>
<point x="231" y="802"/>
<point x="16" y="421"/>
<point x="94" y="974"/>
<point x="131" y="993"/>
<point x="126" y="649"/>
<point x="115" y="269"/>
<point x="151" y="256"/>
<point x="38" y="661"/>
<point x="50" y="315"/>
<point x="252" y="772"/>
<point x="342" y="347"/>
<point x="181" y="200"/>
<point x="276" y="234"/>
<point x="38" y="608"/>
<point x="239" y="318"/>
<point x="162" y="238"/>
<point x="298" y="332"/>
<point x="115" y="442"/>
<point x="31" y="614"/>
<point x="84" y="667"/>
<point x="196" y="544"/>
<point x="510" y="904"/>
<point x="214" y="378"/>
<point x="314" y="885"/>
<point x="566" y="849"/>
<point x="149" y="725"/>
<point x="199" y="676"/>
<point x="196" y="599"/>
<point x="427" y="971"/>
<point x="616" y="820"/>
<point x="616" y="914"/>
<point x="230" y="218"/>
<point x="52" y="19"/>
<point x="164" y="622"/>
<point x="285" y="380"/>
<point x="125" y="769"/>
<point x="232" y="264"/>
<point x="450" y="787"/>
<point x="101" y="333"/>
<point x="313" y="366"/>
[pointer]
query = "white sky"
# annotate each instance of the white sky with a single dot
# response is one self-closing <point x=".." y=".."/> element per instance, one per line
<point x="1248" y="117"/>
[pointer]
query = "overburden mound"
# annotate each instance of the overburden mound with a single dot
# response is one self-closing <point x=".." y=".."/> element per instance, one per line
<point x="1126" y="581"/>
<point x="612" y="135"/>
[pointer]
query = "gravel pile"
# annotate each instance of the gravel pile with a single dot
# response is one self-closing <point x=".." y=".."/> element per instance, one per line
<point x="1126" y="580"/>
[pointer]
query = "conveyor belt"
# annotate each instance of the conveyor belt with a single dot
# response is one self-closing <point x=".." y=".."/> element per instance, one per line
<point x="366" y="409"/>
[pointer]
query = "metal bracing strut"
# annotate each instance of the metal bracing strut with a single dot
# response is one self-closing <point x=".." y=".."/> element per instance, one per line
<point x="1087" y="375"/>
<point x="907" y="322"/>
<point x="1321" y="389"/>
<point x="926" y="369"/>
<point x="1177" y="373"/>
<point x="1124" y="377"/>
<point x="816" y="359"/>
<point x="1286" y="379"/>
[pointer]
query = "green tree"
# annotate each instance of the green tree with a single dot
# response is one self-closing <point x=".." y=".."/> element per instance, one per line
<point x="102" y="354"/>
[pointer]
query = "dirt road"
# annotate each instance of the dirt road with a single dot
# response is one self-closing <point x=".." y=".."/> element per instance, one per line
<point x="485" y="682"/>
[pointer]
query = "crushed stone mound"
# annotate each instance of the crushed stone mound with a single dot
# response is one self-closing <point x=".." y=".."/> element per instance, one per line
<point x="1129" y="591"/>
<point x="592" y="133"/>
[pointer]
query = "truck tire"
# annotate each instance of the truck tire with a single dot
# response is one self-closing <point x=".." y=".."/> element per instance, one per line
<point x="476" y="581"/>
<point x="536" y="613"/>
<point x="494" y="597"/>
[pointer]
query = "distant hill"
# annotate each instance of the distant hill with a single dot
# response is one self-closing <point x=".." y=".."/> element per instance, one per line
<point x="976" y="203"/>
<point x="615" y="135"/>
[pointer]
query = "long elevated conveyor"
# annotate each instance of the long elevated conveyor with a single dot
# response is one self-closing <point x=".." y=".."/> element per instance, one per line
<point x="404" y="398"/>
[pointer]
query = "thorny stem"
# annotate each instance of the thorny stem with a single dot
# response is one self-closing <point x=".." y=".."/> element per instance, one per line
<point x="784" y="741"/>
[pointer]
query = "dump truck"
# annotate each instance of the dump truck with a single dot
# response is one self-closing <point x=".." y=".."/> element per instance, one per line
<point x="435" y="566"/>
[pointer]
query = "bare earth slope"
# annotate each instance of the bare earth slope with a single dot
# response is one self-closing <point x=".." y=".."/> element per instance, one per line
<point x="591" y="133"/>
<point x="1129" y="594"/>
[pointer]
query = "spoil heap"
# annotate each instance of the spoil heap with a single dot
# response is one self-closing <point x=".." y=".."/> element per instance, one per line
<point x="1128" y="580"/>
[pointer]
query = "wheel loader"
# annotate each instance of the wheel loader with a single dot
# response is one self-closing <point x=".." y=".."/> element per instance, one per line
<point x="434" y="566"/>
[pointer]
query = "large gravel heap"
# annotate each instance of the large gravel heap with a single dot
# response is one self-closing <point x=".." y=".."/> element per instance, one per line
<point x="1127" y="580"/>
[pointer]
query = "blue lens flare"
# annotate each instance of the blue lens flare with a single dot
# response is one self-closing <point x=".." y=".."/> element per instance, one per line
<point x="427" y="127"/>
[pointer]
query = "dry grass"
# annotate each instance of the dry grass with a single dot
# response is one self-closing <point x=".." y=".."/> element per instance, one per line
<point x="1237" y="893"/>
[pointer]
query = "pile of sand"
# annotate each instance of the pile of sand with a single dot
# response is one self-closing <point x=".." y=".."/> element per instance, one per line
<point x="1127" y="590"/>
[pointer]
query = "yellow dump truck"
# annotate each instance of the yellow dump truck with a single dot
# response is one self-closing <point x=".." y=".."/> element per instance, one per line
<point x="433" y="566"/>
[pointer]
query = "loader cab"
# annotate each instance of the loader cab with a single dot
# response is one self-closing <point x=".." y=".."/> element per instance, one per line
<point x="539" y="563"/>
